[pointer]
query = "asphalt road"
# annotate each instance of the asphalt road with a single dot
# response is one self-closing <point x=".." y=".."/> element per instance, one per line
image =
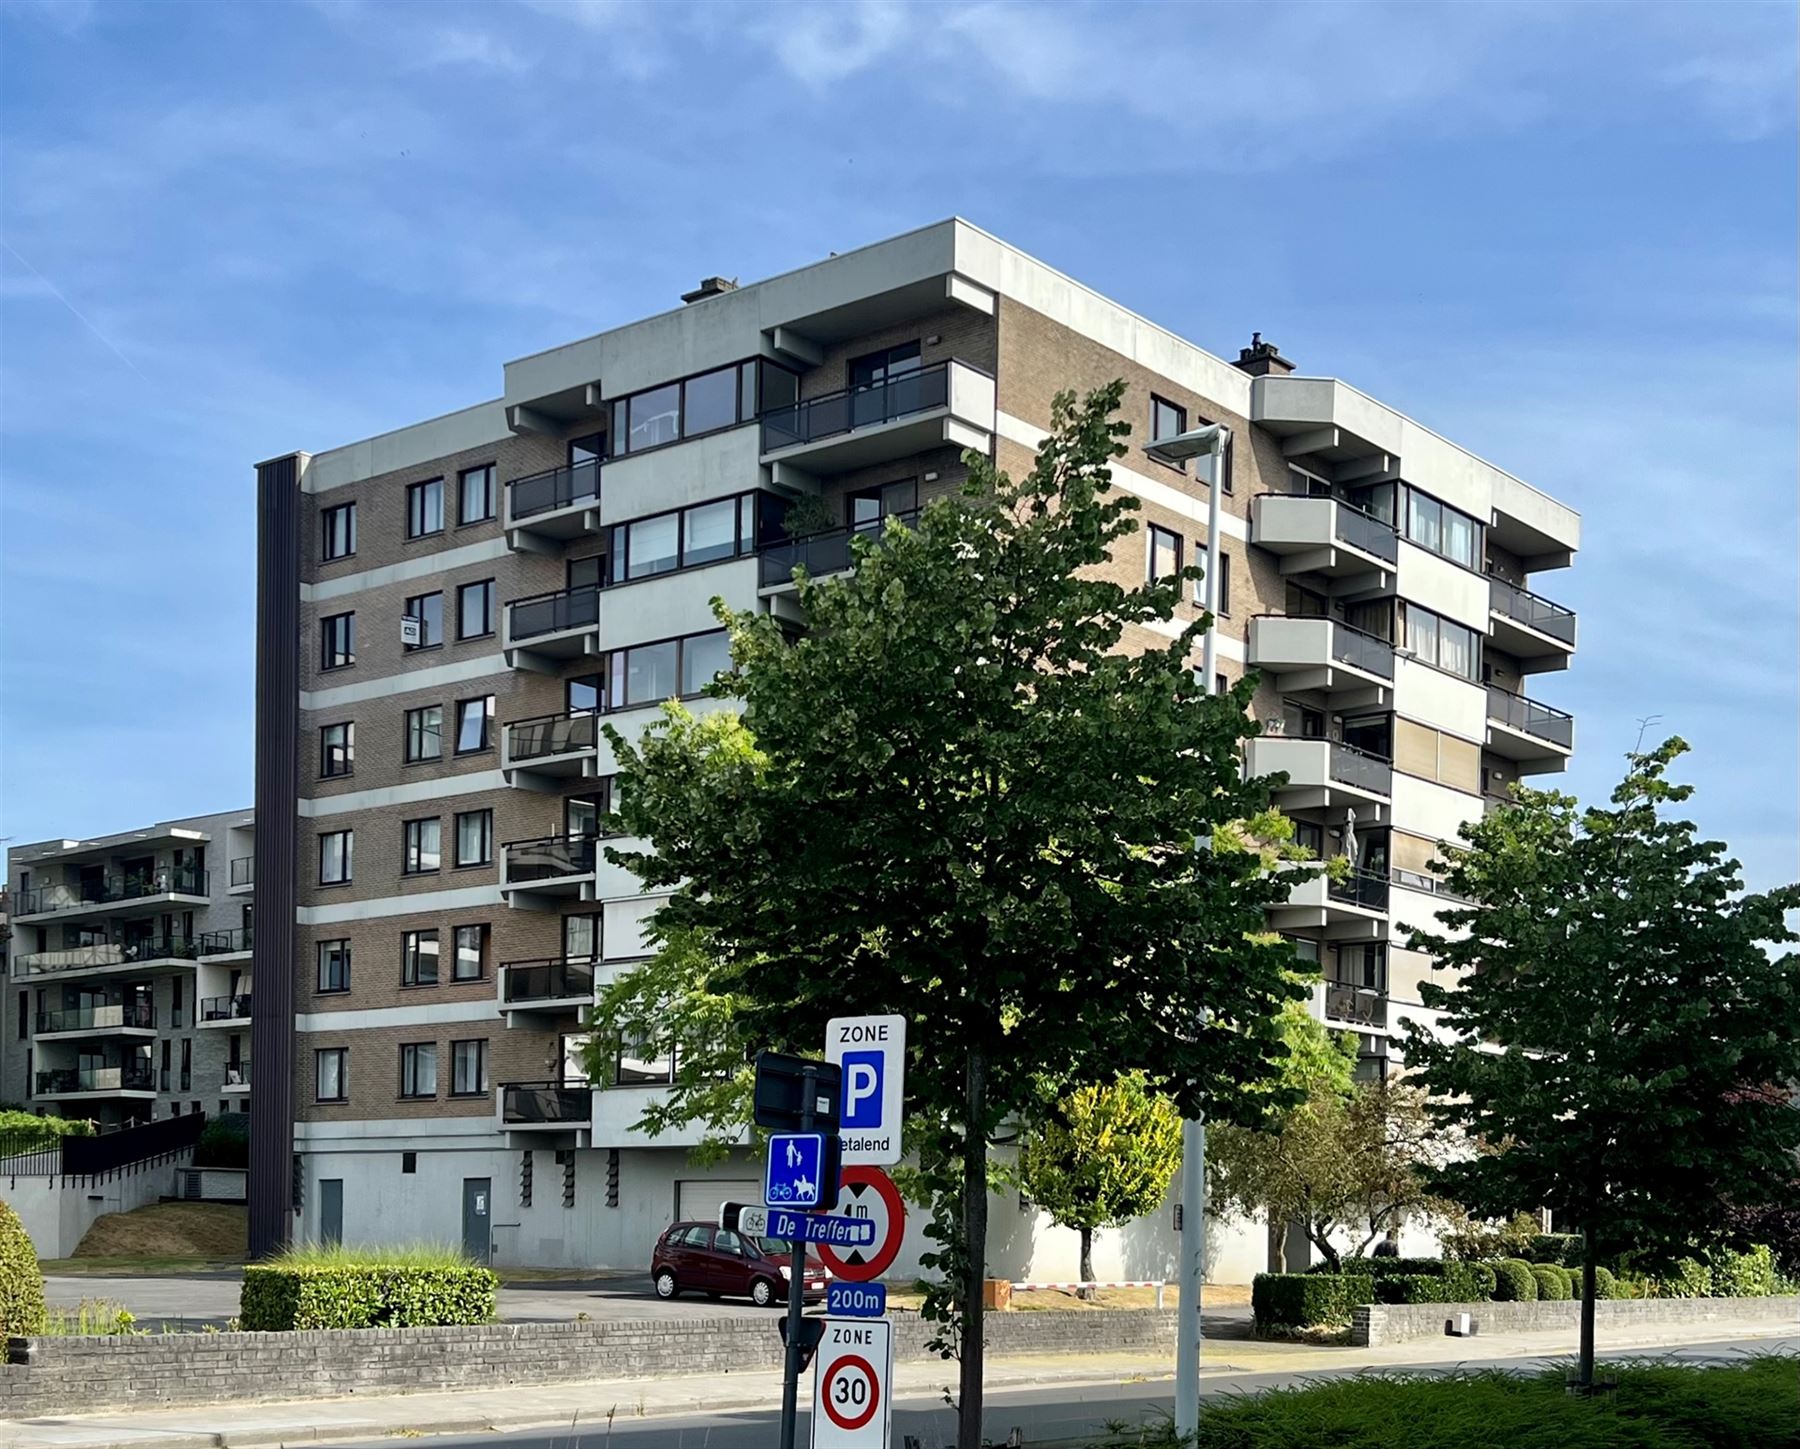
<point x="1045" y="1415"/>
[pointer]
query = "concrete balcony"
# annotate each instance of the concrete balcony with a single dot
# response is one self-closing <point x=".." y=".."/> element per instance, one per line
<point x="1537" y="737"/>
<point x="1323" y="655"/>
<point x="1359" y="1007"/>
<point x="1538" y="633"/>
<point x="1322" y="774"/>
<point x="134" y="1082"/>
<point x="820" y="554"/>
<point x="1353" y="909"/>
<point x="540" y="1114"/>
<point x="237" y="1080"/>
<point x="243" y="876"/>
<point x="223" y="1011"/>
<point x="543" y="753"/>
<point x="547" y="873"/>
<point x="553" y="986"/>
<point x="125" y="1019"/>
<point x="544" y="512"/>
<point x="150" y="957"/>
<point x="547" y="631"/>
<point x="131" y="894"/>
<point x="1326" y="536"/>
<point x="227" y="946"/>
<point x="948" y="404"/>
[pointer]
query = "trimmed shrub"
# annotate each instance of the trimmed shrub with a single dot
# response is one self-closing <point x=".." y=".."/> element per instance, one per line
<point x="1307" y="1300"/>
<point x="1456" y="1282"/>
<point x="1552" y="1283"/>
<point x="21" y="1280"/>
<point x="283" y="1295"/>
<point x="30" y="1132"/>
<point x="1605" y="1285"/>
<point x="1556" y="1248"/>
<point x="1686" y="1278"/>
<point x="224" y="1142"/>
<point x="1745" y="1275"/>
<point x="1514" y="1282"/>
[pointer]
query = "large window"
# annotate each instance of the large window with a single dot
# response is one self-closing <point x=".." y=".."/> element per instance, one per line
<point x="703" y="658"/>
<point x="1433" y="755"/>
<point x="581" y="937"/>
<point x="1442" y="529"/>
<point x="470" y="961"/>
<point x="709" y="401"/>
<point x="644" y="1064"/>
<point x="337" y="641"/>
<point x="874" y="368"/>
<point x="653" y="546"/>
<point x="419" y="958"/>
<point x="337" y="749"/>
<point x="333" y="965"/>
<point x="475" y="495"/>
<point x="1163" y="560"/>
<point x="1167" y="420"/>
<point x="653" y="417"/>
<point x="650" y="672"/>
<point x="468" y="1068"/>
<point x="681" y="539"/>
<point x="424" y="733"/>
<point x="331" y="1074"/>
<point x="421" y="845"/>
<point x="721" y="398"/>
<point x="339" y="539"/>
<point x="428" y="609"/>
<point x="474" y="724"/>
<point x="425" y="508"/>
<point x="1444" y="642"/>
<point x="475" y="837"/>
<point x="418" y="1069"/>
<point x="475" y="609"/>
<point x="335" y="851"/>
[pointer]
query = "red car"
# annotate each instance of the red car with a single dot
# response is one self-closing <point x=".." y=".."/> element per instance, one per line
<point x="699" y="1258"/>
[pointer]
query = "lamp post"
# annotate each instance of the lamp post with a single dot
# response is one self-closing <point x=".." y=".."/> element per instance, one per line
<point x="1209" y="443"/>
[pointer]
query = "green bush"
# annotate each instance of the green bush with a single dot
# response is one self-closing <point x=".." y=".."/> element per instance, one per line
<point x="338" y="1287"/>
<point x="1605" y="1285"/>
<point x="1490" y="1240"/>
<point x="1686" y="1278"/>
<point x="1552" y="1283"/>
<point x="1457" y="1282"/>
<point x="1558" y="1248"/>
<point x="1514" y="1281"/>
<point x="1745" y="1275"/>
<point x="21" y="1280"/>
<point x="1307" y="1300"/>
<point x="224" y="1142"/>
<point x="29" y="1132"/>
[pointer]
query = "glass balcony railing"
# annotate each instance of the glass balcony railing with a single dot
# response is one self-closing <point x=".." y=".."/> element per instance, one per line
<point x="552" y="734"/>
<point x="918" y="391"/>
<point x="823" y="553"/>
<point x="1363" y="651"/>
<point x="541" y="614"/>
<point x="1366" y="531"/>
<point x="226" y="1008"/>
<point x="106" y="890"/>
<point x="107" y="953"/>
<point x="1532" y="610"/>
<point x="1527" y="715"/>
<point x="237" y="1074"/>
<point x="555" y="857"/>
<point x="554" y="978"/>
<point x="1365" y="888"/>
<point x="102" y="1017"/>
<point x="243" y="871"/>
<point x="535" y="1104"/>
<point x="557" y="488"/>
<point x="134" y="1077"/>
<point x="228" y="943"/>
<point x="1359" y="1005"/>
<point x="1351" y="766"/>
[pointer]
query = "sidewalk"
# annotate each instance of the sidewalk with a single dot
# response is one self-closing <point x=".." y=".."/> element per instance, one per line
<point x="589" y="1406"/>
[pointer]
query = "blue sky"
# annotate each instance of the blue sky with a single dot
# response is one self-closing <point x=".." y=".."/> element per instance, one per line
<point x="1563" y="235"/>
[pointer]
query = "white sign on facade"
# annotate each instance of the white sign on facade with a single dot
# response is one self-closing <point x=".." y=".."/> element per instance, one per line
<point x="851" y="1405"/>
<point x="409" y="631"/>
<point x="871" y="1050"/>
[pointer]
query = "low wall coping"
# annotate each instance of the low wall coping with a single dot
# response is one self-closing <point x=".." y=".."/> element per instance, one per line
<point x="1374" y="1324"/>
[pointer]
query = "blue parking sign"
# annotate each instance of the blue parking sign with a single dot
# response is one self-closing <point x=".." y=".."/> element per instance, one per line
<point x="793" y="1178"/>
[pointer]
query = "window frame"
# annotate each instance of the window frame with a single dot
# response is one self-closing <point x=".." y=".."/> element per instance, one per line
<point x="413" y="954"/>
<point x="1155" y="533"/>
<point x="416" y="493"/>
<point x="486" y="702"/>
<point x="618" y="436"/>
<point x="341" y="1055"/>
<point x="490" y="611"/>
<point x="406" y="743"/>
<point x="322" y="952"/>
<point x="481" y="1087"/>
<point x="492" y="493"/>
<point x="1157" y="403"/>
<point x="484" y="814"/>
<point x="412" y="1053"/>
<point x="346" y="752"/>
<point x="329" y="518"/>
<point x="413" y="608"/>
<point x="412" y="845"/>
<point x="330" y="625"/>
<point x="484" y="940"/>
<point x="347" y="838"/>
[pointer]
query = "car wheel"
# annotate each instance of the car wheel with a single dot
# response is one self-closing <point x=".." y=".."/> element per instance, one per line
<point x="666" y="1286"/>
<point x="762" y="1292"/>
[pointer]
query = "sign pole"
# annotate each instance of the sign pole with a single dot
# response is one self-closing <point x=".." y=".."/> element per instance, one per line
<point x="790" y="1373"/>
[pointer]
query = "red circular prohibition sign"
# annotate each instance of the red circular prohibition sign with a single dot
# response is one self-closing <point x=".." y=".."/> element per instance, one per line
<point x="856" y="1361"/>
<point x="859" y="1265"/>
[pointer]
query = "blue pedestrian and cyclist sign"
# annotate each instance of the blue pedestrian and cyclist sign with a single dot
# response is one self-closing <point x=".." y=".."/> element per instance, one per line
<point x="796" y="1171"/>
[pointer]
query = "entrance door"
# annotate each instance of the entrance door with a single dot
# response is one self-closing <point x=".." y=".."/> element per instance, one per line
<point x="478" y="1198"/>
<point x="331" y="1210"/>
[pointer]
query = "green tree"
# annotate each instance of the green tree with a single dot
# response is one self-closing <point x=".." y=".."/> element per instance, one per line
<point x="1104" y="1157"/>
<point x="962" y="796"/>
<point x="1339" y="1162"/>
<point x="1618" y="1030"/>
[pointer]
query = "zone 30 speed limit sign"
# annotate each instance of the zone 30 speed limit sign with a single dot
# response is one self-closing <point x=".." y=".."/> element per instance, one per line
<point x="850" y="1384"/>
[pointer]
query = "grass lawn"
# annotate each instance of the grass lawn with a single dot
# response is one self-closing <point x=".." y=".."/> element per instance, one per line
<point x="163" y="1237"/>
<point x="1656" y="1405"/>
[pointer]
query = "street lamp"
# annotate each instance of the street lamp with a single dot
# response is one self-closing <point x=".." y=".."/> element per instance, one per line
<point x="1210" y="443"/>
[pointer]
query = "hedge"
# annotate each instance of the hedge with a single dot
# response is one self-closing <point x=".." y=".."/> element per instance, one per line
<point x="280" y="1296"/>
<point x="1552" y="1282"/>
<point x="21" y="1280"/>
<point x="1307" y="1300"/>
<point x="1455" y="1282"/>
<point x="1514" y="1281"/>
<point x="1745" y="1275"/>
<point x="1557" y="1248"/>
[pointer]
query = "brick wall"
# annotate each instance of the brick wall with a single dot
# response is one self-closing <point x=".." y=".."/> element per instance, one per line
<point x="55" y="1375"/>
<point x="1378" y="1323"/>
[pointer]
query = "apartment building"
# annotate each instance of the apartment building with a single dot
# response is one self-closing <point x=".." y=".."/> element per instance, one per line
<point x="448" y="611"/>
<point x="129" y="972"/>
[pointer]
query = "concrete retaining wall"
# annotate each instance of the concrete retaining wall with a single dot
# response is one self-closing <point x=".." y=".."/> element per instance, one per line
<point x="58" y="1375"/>
<point x="1378" y="1323"/>
<point x="57" y="1211"/>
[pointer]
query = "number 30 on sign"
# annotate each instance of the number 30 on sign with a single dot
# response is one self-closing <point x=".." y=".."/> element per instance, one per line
<point x="850" y="1385"/>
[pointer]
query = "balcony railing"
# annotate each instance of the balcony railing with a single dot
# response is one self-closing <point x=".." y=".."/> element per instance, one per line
<point x="1360" y="650"/>
<point x="541" y="614"/>
<point x="554" y="978"/>
<point x="1366" y="531"/>
<point x="226" y="1008"/>
<point x="1365" y="888"/>
<point x="545" y="1103"/>
<point x="558" y="488"/>
<point x="62" y="1080"/>
<point x="243" y="871"/>
<point x="237" y="1074"/>
<point x="552" y="858"/>
<point x="102" y="1017"/>
<point x="104" y="890"/>
<point x="1351" y="766"/>
<point x="106" y="953"/>
<point x="823" y="553"/>
<point x="1361" y="1005"/>
<point x="842" y="412"/>
<point x="1532" y="610"/>
<point x="552" y="734"/>
<point x="228" y="943"/>
<point x="1541" y="720"/>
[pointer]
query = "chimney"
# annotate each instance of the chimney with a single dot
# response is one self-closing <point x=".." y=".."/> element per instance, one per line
<point x="1263" y="359"/>
<point x="711" y="287"/>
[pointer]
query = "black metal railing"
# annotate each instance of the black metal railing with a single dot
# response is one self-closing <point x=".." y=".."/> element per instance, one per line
<point x="541" y="614"/>
<point x="1361" y="1005"/>
<point x="127" y="1077"/>
<point x="841" y="412"/>
<point x="557" y="488"/>
<point x="226" y="1008"/>
<point x="530" y="1103"/>
<point x="1362" y="650"/>
<point x="1519" y="713"/>
<point x="104" y="890"/>
<point x="551" y="858"/>
<point x="1365" y="888"/>
<point x="228" y="943"/>
<point x="25" y="1153"/>
<point x="107" y="953"/>
<point x="1351" y="766"/>
<point x="828" y="552"/>
<point x="1532" y="610"/>
<point x="103" y="1016"/>
<point x="554" y="978"/>
<point x="1365" y="531"/>
<point x="243" y="870"/>
<point x="237" y="1074"/>
<point x="552" y="734"/>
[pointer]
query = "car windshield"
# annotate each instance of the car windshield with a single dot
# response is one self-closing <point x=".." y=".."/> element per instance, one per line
<point x="775" y="1247"/>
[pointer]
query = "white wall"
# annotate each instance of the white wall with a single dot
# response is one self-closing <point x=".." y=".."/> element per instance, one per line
<point x="57" y="1217"/>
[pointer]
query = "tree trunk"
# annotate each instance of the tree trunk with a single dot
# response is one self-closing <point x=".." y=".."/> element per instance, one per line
<point x="1585" y="1374"/>
<point x="1087" y="1260"/>
<point x="974" y="1215"/>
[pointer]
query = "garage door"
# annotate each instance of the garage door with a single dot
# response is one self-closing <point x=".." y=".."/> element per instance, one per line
<point x="699" y="1199"/>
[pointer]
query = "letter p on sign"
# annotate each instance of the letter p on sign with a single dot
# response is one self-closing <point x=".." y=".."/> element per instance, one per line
<point x="871" y="1050"/>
